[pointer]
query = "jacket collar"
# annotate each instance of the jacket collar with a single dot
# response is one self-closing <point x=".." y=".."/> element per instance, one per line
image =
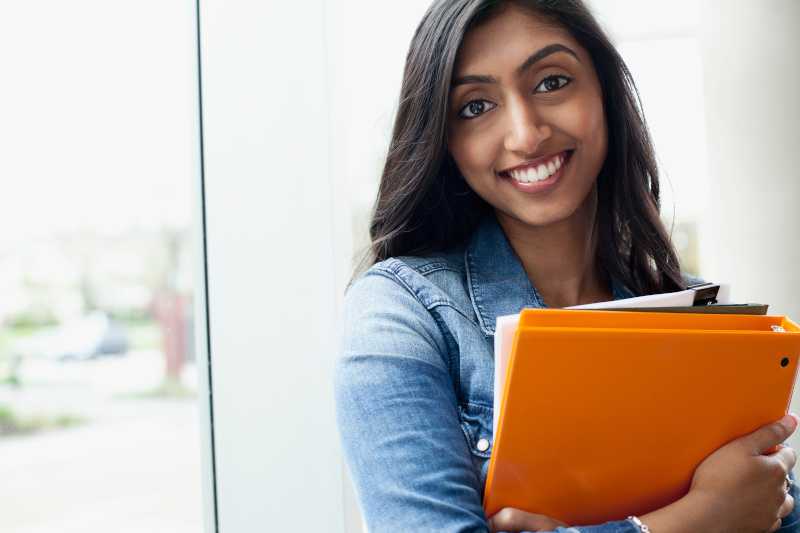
<point x="497" y="282"/>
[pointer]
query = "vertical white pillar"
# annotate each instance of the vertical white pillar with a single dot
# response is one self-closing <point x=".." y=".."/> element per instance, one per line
<point x="752" y="100"/>
<point x="270" y="262"/>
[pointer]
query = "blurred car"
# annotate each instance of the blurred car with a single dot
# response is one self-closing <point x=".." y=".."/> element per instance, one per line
<point x="92" y="335"/>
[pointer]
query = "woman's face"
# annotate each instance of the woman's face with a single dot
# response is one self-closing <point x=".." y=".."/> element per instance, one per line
<point x="526" y="125"/>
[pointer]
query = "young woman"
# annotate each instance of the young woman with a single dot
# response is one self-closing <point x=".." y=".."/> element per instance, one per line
<point x="520" y="174"/>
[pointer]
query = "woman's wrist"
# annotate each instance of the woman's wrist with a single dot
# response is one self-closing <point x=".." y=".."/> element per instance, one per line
<point x="687" y="515"/>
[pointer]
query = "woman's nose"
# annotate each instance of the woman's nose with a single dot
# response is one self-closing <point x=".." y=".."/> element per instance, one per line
<point x="526" y="131"/>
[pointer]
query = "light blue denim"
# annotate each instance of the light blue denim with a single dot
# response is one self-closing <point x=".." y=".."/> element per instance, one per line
<point x="414" y="384"/>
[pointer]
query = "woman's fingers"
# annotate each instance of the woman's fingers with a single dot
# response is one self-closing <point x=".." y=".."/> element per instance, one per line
<point x="770" y="435"/>
<point x="787" y="457"/>
<point x="783" y="512"/>
<point x="786" y="507"/>
<point x="509" y="519"/>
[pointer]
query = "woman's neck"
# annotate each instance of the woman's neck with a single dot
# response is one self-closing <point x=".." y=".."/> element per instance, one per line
<point x="560" y="259"/>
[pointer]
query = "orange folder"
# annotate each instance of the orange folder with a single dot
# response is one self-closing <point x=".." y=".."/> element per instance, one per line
<point x="606" y="414"/>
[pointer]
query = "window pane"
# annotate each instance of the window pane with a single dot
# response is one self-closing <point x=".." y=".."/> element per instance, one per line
<point x="98" y="412"/>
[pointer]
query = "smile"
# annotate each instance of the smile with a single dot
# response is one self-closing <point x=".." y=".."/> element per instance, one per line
<point x="538" y="170"/>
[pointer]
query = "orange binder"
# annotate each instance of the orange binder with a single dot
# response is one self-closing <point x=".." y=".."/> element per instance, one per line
<point x="606" y="414"/>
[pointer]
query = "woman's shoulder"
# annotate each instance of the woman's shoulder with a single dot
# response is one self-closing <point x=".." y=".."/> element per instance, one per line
<point x="432" y="279"/>
<point x="393" y="308"/>
<point x="423" y="265"/>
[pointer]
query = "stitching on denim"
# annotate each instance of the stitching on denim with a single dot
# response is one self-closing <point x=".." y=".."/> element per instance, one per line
<point x="471" y="439"/>
<point x="354" y="355"/>
<point x="398" y="270"/>
<point x="479" y="405"/>
<point x="429" y="268"/>
<point x="475" y="297"/>
<point x="394" y="275"/>
<point x="456" y="309"/>
<point x="536" y="296"/>
<point x="453" y="354"/>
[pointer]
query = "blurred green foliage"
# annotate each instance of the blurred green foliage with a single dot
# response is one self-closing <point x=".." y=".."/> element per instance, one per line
<point x="11" y="424"/>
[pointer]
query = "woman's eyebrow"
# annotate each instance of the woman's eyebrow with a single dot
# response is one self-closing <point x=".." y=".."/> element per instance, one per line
<point x="550" y="49"/>
<point x="472" y="78"/>
<point x="528" y="63"/>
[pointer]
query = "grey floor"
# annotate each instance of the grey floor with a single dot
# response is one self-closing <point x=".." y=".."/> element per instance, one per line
<point x="134" y="466"/>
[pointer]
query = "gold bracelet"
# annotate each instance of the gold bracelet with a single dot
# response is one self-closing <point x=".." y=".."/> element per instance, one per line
<point x="638" y="523"/>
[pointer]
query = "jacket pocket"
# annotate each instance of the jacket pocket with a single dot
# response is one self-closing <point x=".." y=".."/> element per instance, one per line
<point x="476" y="423"/>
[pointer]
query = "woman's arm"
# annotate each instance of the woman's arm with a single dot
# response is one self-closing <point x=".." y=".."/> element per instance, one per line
<point x="398" y="418"/>
<point x="738" y="488"/>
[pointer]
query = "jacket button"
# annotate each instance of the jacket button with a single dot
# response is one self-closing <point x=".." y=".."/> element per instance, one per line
<point x="483" y="445"/>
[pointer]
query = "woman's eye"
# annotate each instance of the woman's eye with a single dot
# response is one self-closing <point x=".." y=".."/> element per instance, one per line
<point x="476" y="108"/>
<point x="552" y="83"/>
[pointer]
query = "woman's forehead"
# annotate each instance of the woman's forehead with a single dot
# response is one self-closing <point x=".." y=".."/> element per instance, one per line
<point x="506" y="39"/>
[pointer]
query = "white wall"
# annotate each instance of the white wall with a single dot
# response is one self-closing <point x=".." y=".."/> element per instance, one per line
<point x="752" y="99"/>
<point x="270" y="265"/>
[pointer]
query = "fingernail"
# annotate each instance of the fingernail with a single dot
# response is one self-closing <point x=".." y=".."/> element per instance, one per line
<point x="790" y="421"/>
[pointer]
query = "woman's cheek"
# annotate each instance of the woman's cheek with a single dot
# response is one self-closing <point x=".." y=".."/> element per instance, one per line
<point x="474" y="155"/>
<point x="582" y="120"/>
<point x="581" y="117"/>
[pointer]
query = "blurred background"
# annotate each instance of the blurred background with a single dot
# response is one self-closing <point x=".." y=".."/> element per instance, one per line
<point x="102" y="411"/>
<point x="98" y="412"/>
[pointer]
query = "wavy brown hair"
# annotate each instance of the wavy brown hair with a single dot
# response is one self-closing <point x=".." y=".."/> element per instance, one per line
<point x="424" y="205"/>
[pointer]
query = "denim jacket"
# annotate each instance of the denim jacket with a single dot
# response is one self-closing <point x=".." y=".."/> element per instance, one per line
<point x="414" y="384"/>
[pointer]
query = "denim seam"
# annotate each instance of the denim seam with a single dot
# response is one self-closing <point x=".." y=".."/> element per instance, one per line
<point x="453" y="353"/>
<point x="394" y="273"/>
<point x="397" y="274"/>
<point x="475" y="297"/>
<point x="402" y="282"/>
<point x="471" y="441"/>
<point x="430" y="268"/>
<point x="479" y="404"/>
<point x="456" y="309"/>
<point x="356" y="355"/>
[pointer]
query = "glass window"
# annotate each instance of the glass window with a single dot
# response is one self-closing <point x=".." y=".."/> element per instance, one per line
<point x="99" y="424"/>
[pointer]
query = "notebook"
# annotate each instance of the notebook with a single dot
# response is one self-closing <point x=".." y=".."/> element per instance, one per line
<point x="681" y="301"/>
<point x="605" y="414"/>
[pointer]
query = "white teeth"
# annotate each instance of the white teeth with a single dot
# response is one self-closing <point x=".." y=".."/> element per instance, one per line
<point x="542" y="172"/>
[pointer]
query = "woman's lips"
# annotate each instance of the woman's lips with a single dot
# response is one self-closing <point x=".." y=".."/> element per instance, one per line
<point x="539" y="176"/>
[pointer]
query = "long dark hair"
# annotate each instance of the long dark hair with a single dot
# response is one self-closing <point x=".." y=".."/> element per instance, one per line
<point x="425" y="206"/>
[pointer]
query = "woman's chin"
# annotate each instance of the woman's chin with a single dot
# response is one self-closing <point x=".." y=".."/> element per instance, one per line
<point x="543" y="218"/>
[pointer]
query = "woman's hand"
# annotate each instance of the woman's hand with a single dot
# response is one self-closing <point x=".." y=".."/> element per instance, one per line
<point x="747" y="487"/>
<point x="737" y="489"/>
<point x="513" y="520"/>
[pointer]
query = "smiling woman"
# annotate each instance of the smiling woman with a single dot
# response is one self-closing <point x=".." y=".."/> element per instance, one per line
<point x="536" y="125"/>
<point x="520" y="174"/>
<point x="518" y="90"/>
